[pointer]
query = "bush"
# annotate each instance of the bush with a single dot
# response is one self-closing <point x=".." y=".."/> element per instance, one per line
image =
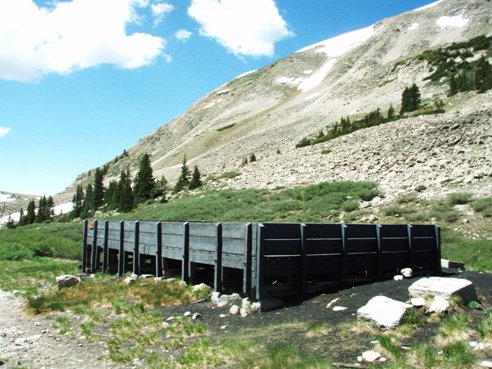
<point x="460" y="198"/>
<point x="484" y="206"/>
<point x="445" y="213"/>
<point x="15" y="252"/>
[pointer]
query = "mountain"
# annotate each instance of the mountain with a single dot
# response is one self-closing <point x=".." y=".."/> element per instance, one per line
<point x="268" y="111"/>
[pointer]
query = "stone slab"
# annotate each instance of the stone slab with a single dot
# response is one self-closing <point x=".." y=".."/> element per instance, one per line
<point x="444" y="287"/>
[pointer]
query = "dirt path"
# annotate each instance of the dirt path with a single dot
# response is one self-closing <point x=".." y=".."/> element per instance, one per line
<point x="34" y="342"/>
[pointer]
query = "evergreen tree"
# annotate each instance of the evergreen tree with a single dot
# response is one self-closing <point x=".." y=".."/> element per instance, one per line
<point x="112" y="197"/>
<point x="483" y="76"/>
<point x="88" y="201"/>
<point x="125" y="192"/>
<point x="40" y="216"/>
<point x="195" y="179"/>
<point x="31" y="212"/>
<point x="144" y="186"/>
<point x="410" y="99"/>
<point x="161" y="188"/>
<point x="98" y="190"/>
<point x="184" y="178"/>
<point x="391" y="112"/>
<point x="252" y="158"/>
<point x="78" y="202"/>
<point x="49" y="210"/>
<point x="21" y="217"/>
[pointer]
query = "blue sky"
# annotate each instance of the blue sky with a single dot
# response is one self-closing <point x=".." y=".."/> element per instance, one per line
<point x="82" y="80"/>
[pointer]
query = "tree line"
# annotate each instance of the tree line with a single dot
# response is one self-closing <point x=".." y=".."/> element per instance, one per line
<point x="126" y="194"/>
<point x="44" y="212"/>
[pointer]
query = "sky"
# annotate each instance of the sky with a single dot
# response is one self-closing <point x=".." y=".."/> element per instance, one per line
<point x="82" y="80"/>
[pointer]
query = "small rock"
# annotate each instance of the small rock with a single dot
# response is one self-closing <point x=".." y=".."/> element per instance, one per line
<point x="339" y="308"/>
<point x="439" y="305"/>
<point x="398" y="277"/>
<point x="186" y="314"/>
<point x="246" y="305"/>
<point x="182" y="284"/>
<point x="234" y="310"/>
<point x="222" y="316"/>
<point x="200" y="287"/>
<point x="65" y="281"/>
<point x="215" y="296"/>
<point x="407" y="272"/>
<point x="444" y="287"/>
<point x="128" y="280"/>
<point x="370" y="356"/>
<point x="486" y="364"/>
<point x="382" y="359"/>
<point x="417" y="301"/>
<point x="243" y="312"/>
<point x="384" y="311"/>
<point x="224" y="327"/>
<point x="171" y="318"/>
<point x="146" y="276"/>
<point x="255" y="307"/>
<point x="332" y="302"/>
<point x="196" y="316"/>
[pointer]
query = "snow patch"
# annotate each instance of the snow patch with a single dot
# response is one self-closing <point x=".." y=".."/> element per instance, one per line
<point x="309" y="71"/>
<point x="456" y="21"/>
<point x="63" y="208"/>
<point x="413" y="26"/>
<point x="333" y="48"/>
<point x="312" y="96"/>
<point x="6" y="197"/>
<point x="428" y="6"/>
<point x="291" y="81"/>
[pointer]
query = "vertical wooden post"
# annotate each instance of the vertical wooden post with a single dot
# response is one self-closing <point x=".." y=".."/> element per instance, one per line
<point x="185" y="266"/>
<point x="95" y="251"/>
<point x="121" y="259"/>
<point x="438" y="268"/>
<point x="84" y="246"/>
<point x="218" y="258"/>
<point x="260" y="255"/>
<point x="248" y="263"/>
<point x="343" y="228"/>
<point x="136" y="249"/>
<point x="302" y="263"/>
<point x="380" y="253"/>
<point x="106" y="247"/>
<point x="410" y="246"/>
<point x="158" y="253"/>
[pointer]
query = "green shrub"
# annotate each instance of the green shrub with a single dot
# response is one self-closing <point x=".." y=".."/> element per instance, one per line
<point x="350" y="205"/>
<point x="15" y="252"/>
<point x="444" y="212"/>
<point x="460" y="198"/>
<point x="459" y="355"/>
<point x="483" y="206"/>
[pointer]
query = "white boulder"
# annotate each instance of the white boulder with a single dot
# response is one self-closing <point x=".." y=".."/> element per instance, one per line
<point x="438" y="305"/>
<point x="407" y="272"/>
<point x="417" y="301"/>
<point x="370" y="356"/>
<point x="234" y="310"/>
<point x="444" y="287"/>
<point x="384" y="311"/>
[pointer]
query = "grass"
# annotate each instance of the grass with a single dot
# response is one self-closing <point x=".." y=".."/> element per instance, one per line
<point x="483" y="206"/>
<point x="474" y="253"/>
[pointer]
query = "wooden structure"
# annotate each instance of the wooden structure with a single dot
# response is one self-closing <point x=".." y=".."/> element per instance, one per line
<point x="261" y="259"/>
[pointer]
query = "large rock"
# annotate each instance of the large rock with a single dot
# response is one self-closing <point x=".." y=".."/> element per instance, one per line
<point x="444" y="287"/>
<point x="383" y="311"/>
<point x="65" y="281"/>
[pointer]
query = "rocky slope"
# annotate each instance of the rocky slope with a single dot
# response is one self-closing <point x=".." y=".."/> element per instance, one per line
<point x="270" y="110"/>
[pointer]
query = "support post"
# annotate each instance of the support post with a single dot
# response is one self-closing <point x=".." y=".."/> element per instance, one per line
<point x="260" y="262"/>
<point x="343" y="229"/>
<point x="84" y="246"/>
<point x="248" y="263"/>
<point x="380" y="252"/>
<point x="121" y="258"/>
<point x="95" y="251"/>
<point x="218" y="258"/>
<point x="410" y="247"/>
<point x="185" y="266"/>
<point x="136" y="249"/>
<point x="302" y="264"/>
<point x="438" y="267"/>
<point x="106" y="247"/>
<point x="158" y="253"/>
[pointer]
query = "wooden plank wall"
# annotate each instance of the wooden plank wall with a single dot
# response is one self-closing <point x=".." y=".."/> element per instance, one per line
<point x="274" y="258"/>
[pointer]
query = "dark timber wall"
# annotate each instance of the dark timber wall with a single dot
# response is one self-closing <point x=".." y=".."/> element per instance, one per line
<point x="261" y="259"/>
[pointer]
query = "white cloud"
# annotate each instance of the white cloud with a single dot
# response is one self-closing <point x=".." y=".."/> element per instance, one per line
<point x="71" y="35"/>
<point x="183" y="35"/>
<point x="160" y="10"/>
<point x="244" y="27"/>
<point x="4" y="131"/>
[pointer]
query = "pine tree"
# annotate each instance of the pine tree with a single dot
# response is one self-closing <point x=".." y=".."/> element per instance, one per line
<point x="49" y="209"/>
<point x="391" y="112"/>
<point x="22" y="219"/>
<point x="98" y="190"/>
<point x="40" y="216"/>
<point x="483" y="76"/>
<point x="410" y="99"/>
<point x="88" y="201"/>
<point x="144" y="181"/>
<point x="125" y="192"/>
<point x="161" y="188"/>
<point x="195" y="179"/>
<point x="31" y="212"/>
<point x="252" y="158"/>
<point x="184" y="178"/>
<point x="112" y="197"/>
<point x="78" y="202"/>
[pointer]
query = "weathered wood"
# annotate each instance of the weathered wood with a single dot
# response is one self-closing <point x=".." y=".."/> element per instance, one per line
<point x="185" y="256"/>
<point x="94" y="255"/>
<point x="121" y="255"/>
<point x="260" y="261"/>
<point x="218" y="258"/>
<point x="158" y="252"/>
<point x="84" y="246"/>
<point x="136" y="249"/>
<point x="106" y="247"/>
<point x="302" y="263"/>
<point x="248" y="263"/>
